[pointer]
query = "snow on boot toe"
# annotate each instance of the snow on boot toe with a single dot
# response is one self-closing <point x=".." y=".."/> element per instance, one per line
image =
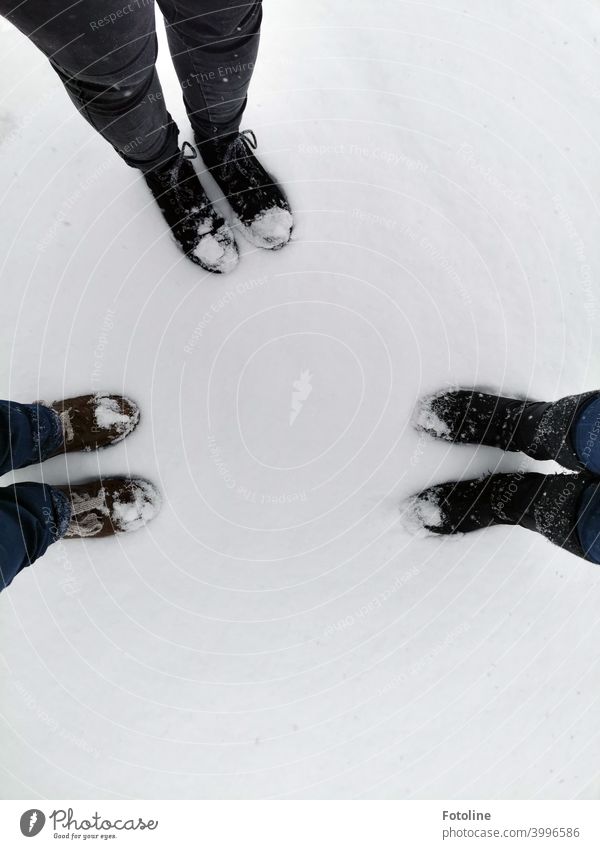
<point x="422" y="513"/>
<point x="427" y="418"/>
<point x="115" y="415"/>
<point x="134" y="505"/>
<point x="271" y="229"/>
<point x="216" y="251"/>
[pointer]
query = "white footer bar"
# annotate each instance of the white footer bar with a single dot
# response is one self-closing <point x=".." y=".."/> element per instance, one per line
<point x="302" y="824"/>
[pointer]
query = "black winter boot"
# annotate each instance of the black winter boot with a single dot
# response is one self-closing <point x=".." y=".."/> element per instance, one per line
<point x="201" y="233"/>
<point x="539" y="429"/>
<point x="548" y="504"/>
<point x="257" y="200"/>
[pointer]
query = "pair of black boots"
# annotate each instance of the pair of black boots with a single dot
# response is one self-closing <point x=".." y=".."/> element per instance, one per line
<point x="548" y="504"/>
<point x="258" y="205"/>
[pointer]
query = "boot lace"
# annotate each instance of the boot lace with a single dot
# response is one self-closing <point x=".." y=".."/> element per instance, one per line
<point x="87" y="513"/>
<point x="236" y="156"/>
<point x="183" y="191"/>
<point x="67" y="425"/>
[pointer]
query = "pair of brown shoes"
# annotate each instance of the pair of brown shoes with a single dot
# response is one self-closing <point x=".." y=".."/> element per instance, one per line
<point x="107" y="506"/>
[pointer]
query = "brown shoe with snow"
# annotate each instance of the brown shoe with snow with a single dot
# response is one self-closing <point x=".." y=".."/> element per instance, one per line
<point x="90" y="422"/>
<point x="102" y="508"/>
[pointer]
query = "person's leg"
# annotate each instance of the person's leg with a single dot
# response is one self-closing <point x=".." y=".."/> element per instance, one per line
<point x="544" y="430"/>
<point x="105" y="58"/>
<point x="214" y="44"/>
<point x="554" y="506"/>
<point x="105" y="55"/>
<point x="32" y="517"/>
<point x="29" y="433"/>
<point x="32" y="433"/>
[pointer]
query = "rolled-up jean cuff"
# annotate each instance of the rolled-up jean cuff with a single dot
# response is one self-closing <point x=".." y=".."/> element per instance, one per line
<point x="588" y="522"/>
<point x="62" y="513"/>
<point x="47" y="428"/>
<point x="585" y="435"/>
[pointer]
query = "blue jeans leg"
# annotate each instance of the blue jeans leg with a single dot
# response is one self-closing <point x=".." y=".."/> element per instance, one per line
<point x="588" y="524"/>
<point x="586" y="435"/>
<point x="29" y="433"/>
<point x="32" y="517"/>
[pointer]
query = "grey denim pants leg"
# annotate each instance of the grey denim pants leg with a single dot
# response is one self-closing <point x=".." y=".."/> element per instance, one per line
<point x="214" y="44"/>
<point x="105" y="51"/>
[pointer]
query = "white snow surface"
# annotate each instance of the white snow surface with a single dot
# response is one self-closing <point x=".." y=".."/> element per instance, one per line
<point x="276" y="631"/>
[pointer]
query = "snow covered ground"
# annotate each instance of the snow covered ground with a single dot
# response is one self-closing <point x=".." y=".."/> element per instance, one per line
<point x="277" y="632"/>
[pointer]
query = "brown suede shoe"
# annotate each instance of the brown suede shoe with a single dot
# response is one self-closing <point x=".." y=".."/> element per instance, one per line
<point x="90" y="422"/>
<point x="102" y="508"/>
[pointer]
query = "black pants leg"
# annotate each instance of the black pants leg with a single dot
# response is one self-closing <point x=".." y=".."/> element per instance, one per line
<point x="104" y="52"/>
<point x="214" y="44"/>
